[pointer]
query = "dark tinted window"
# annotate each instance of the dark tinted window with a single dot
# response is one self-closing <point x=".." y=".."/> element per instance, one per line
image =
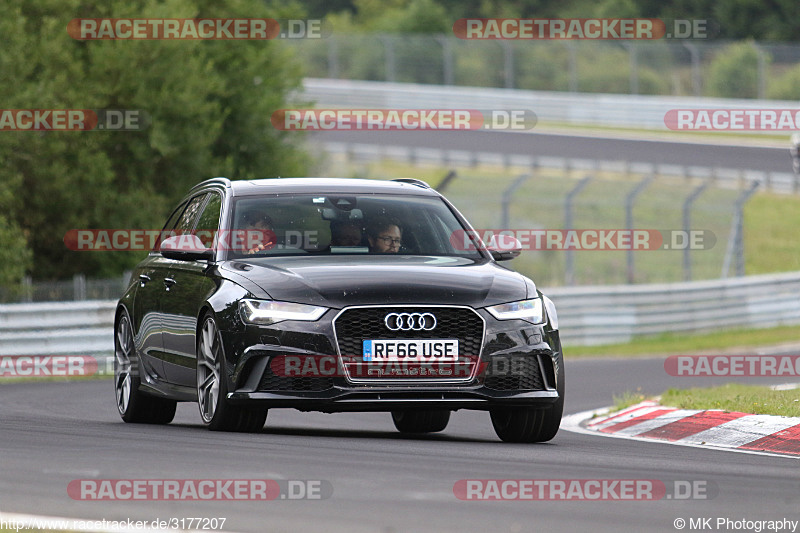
<point x="182" y="219"/>
<point x="208" y="223"/>
<point x="312" y="224"/>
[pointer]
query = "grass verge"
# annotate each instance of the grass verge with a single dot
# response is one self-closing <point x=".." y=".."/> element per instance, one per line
<point x="4" y="380"/>
<point x="753" y="399"/>
<point x="743" y="340"/>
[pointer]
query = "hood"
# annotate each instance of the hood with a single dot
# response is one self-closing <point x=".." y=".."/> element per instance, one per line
<point x="339" y="281"/>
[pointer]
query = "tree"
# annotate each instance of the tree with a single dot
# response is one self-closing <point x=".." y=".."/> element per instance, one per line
<point x="208" y="106"/>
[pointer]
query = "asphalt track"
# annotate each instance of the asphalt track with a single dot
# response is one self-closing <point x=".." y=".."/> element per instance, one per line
<point x="581" y="147"/>
<point x="53" y="433"/>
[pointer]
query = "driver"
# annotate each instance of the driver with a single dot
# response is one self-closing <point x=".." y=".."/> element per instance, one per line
<point x="385" y="235"/>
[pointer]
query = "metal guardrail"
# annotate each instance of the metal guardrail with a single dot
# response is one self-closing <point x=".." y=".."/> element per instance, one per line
<point x="620" y="110"/>
<point x="58" y="328"/>
<point x="615" y="314"/>
<point x="728" y="178"/>
<point x="588" y="315"/>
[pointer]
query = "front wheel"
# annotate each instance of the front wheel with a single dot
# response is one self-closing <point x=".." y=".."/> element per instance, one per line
<point x="525" y="424"/>
<point x="134" y="405"/>
<point x="212" y="390"/>
<point x="420" y="421"/>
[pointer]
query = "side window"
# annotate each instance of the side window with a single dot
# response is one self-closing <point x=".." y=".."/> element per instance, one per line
<point x="208" y="224"/>
<point x="181" y="221"/>
<point x="169" y="226"/>
<point x="190" y="214"/>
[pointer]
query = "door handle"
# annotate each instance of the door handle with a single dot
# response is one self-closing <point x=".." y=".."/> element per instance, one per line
<point x="143" y="278"/>
<point x="169" y="282"/>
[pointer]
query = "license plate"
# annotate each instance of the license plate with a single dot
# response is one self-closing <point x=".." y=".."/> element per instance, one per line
<point x="411" y="350"/>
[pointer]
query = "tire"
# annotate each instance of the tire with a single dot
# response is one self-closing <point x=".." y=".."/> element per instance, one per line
<point x="525" y="424"/>
<point x="420" y="421"/>
<point x="134" y="405"/>
<point x="212" y="389"/>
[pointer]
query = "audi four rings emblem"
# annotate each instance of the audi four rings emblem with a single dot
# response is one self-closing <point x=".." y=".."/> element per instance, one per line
<point x="410" y="321"/>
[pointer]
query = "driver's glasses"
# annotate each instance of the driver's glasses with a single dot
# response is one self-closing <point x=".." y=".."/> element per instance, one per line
<point x="389" y="241"/>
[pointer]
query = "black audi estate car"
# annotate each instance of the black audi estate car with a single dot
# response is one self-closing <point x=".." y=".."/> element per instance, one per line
<point x="334" y="295"/>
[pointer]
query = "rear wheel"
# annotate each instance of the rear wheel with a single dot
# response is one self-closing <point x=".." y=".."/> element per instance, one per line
<point x="134" y="405"/>
<point x="420" y="421"/>
<point x="212" y="390"/>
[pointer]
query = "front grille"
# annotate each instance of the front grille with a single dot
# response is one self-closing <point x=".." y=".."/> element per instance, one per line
<point x="516" y="372"/>
<point x="355" y="325"/>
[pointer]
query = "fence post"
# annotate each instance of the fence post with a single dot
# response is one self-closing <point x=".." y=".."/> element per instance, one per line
<point x="391" y="65"/>
<point x="687" y="223"/>
<point x="333" y="58"/>
<point x="697" y="88"/>
<point x="569" y="268"/>
<point x="446" y="181"/>
<point x="629" y="201"/>
<point x="634" y="67"/>
<point x="508" y="64"/>
<point x="762" y="72"/>
<point x="447" y="60"/>
<point x="736" y="237"/>
<point x="27" y="289"/>
<point x="79" y="287"/>
<point x="505" y="207"/>
<point x="573" y="66"/>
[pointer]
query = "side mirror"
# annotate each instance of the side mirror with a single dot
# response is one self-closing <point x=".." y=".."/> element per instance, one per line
<point x="504" y="247"/>
<point x="187" y="247"/>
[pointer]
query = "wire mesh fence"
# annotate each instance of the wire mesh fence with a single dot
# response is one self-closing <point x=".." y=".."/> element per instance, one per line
<point x="76" y="289"/>
<point x="685" y="68"/>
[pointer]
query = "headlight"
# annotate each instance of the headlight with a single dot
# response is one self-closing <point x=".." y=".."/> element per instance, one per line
<point x="530" y="310"/>
<point x="266" y="312"/>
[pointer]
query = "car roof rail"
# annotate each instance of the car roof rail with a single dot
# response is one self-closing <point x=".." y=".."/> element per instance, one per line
<point x="213" y="181"/>
<point x="413" y="181"/>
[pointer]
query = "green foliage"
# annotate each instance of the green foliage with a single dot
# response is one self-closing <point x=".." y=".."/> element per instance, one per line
<point x="785" y="86"/>
<point x="15" y="257"/>
<point x="736" y="19"/>
<point x="208" y="103"/>
<point x="733" y="72"/>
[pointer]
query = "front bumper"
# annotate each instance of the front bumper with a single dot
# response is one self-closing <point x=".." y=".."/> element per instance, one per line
<point x="389" y="399"/>
<point x="519" y="365"/>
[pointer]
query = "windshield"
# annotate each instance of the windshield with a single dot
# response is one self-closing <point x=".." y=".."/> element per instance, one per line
<point x="348" y="224"/>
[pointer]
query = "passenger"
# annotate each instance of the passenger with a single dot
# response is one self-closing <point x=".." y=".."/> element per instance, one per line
<point x="345" y="233"/>
<point x="258" y="220"/>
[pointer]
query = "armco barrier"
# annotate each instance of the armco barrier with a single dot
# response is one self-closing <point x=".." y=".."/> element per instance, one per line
<point x="58" y="328"/>
<point x="610" y="314"/>
<point x="587" y="315"/>
<point x="619" y="110"/>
